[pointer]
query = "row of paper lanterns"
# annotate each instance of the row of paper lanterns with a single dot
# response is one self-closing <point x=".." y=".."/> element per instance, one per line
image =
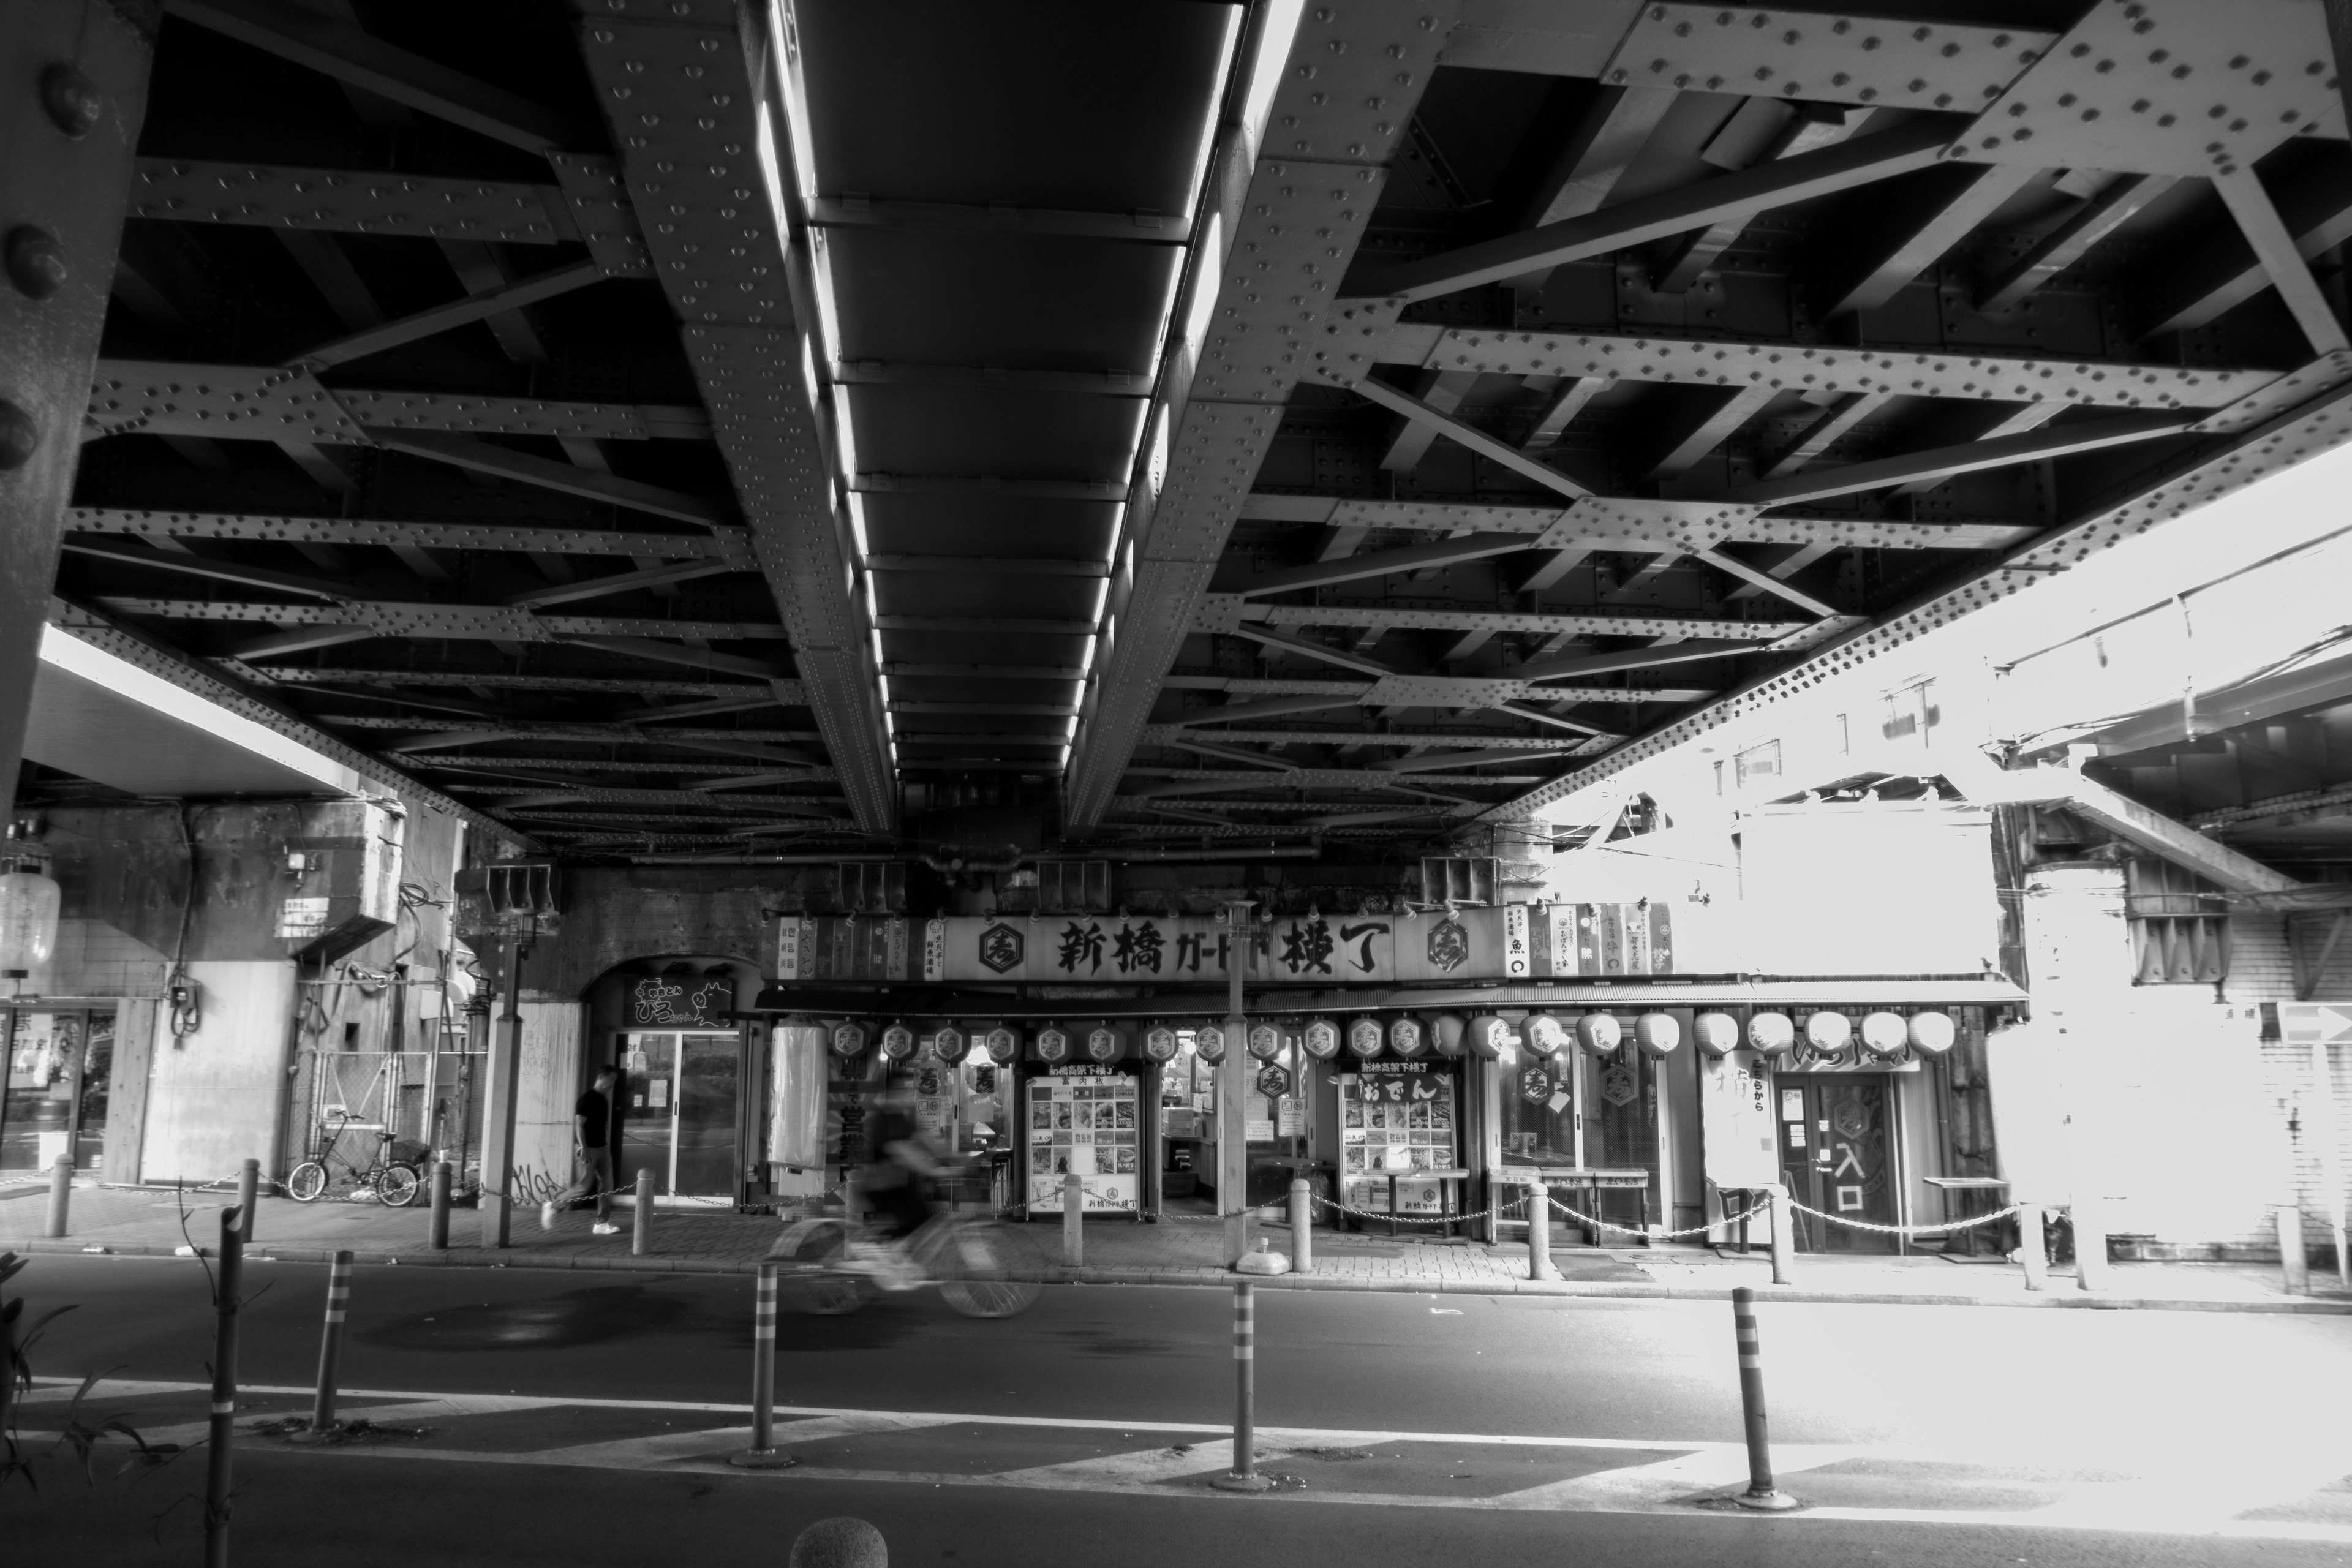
<point x="1882" y="1035"/>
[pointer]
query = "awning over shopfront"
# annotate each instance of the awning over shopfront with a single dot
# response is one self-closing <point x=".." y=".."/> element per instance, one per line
<point x="922" y="1002"/>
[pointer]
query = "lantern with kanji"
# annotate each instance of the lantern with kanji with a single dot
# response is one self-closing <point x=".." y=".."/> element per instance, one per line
<point x="1407" y="1038"/>
<point x="848" y="1037"/>
<point x="1106" y="1043"/>
<point x="1715" y="1034"/>
<point x="1827" y="1033"/>
<point x="1264" y="1042"/>
<point x="1321" y="1039"/>
<point x="898" y="1042"/>
<point x="1545" y="1035"/>
<point x="1364" y="1038"/>
<point x="1209" y="1043"/>
<point x="1160" y="1043"/>
<point x="950" y="1044"/>
<point x="1885" y="1035"/>
<point x="1772" y="1034"/>
<point x="1598" y="1034"/>
<point x="1004" y="1046"/>
<point x="1053" y="1045"/>
<point x="1489" y="1037"/>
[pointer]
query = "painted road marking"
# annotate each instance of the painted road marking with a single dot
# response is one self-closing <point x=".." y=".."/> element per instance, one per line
<point x="2187" y="1495"/>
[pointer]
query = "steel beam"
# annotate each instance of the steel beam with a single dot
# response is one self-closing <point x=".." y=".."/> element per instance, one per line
<point x="1010" y="565"/>
<point x="945" y="217"/>
<point x="1942" y="462"/>
<point x="189" y="566"/>
<point x="2282" y="263"/>
<point x="1686" y="652"/>
<point x="1814" y="367"/>
<point x="1270" y="708"/>
<point x="438" y="319"/>
<point x="429" y="620"/>
<point x="347" y="55"/>
<point x="1471" y="519"/>
<point x="75" y="98"/>
<point x="729" y="545"/>
<point x="1294" y="208"/>
<point x="2062" y="247"/>
<point x="500" y="680"/>
<point x="1383" y="563"/>
<point x="505" y="463"/>
<point x="1470" y="436"/>
<point x="1470" y="618"/>
<point x="619" y="583"/>
<point x="1915" y="144"/>
<point x="1907" y="243"/>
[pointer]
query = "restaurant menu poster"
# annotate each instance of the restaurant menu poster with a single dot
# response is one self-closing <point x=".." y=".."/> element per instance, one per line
<point x="1397" y="1116"/>
<point x="1085" y="1117"/>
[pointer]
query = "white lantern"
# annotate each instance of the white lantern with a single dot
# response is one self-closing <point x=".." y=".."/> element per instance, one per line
<point x="1545" y="1035"/>
<point x="1931" y="1033"/>
<point x="1657" y="1033"/>
<point x="1828" y="1032"/>
<point x="1364" y="1037"/>
<point x="1209" y="1043"/>
<point x="1717" y="1034"/>
<point x="1264" y="1042"/>
<point x="1884" y="1034"/>
<point x="1407" y="1038"/>
<point x="1489" y="1037"/>
<point x="28" y="919"/>
<point x="1771" y="1033"/>
<point x="1598" y="1034"/>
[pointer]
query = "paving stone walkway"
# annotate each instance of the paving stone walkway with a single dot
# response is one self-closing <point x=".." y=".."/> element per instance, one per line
<point x="151" y="1221"/>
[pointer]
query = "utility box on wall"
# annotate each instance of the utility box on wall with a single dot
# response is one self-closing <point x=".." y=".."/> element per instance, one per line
<point x="343" y="879"/>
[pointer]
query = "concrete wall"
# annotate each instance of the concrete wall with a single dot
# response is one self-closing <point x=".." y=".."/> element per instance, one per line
<point x="215" y="1097"/>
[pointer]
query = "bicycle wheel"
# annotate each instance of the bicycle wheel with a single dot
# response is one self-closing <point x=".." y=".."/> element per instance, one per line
<point x="981" y="1288"/>
<point x="820" y="1294"/>
<point x="395" y="1185"/>
<point x="306" y="1182"/>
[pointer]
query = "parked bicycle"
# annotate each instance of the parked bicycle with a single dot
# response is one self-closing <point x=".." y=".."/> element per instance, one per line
<point x="832" y="1265"/>
<point x="393" y="1184"/>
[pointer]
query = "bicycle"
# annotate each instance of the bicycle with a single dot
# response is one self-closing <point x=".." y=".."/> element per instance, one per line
<point x="393" y="1185"/>
<point x="818" y="1275"/>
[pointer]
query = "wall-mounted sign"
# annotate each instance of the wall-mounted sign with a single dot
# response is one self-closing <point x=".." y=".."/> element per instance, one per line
<point x="682" y="1002"/>
<point x="1272" y="1082"/>
<point x="1517" y="942"/>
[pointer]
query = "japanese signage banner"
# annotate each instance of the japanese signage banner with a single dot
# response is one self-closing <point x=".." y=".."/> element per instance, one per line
<point x="1519" y="941"/>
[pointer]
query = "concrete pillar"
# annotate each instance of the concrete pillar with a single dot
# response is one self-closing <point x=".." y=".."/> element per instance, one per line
<point x="73" y="93"/>
<point x="502" y="1066"/>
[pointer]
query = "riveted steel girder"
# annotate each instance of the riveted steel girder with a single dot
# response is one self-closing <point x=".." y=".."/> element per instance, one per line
<point x="73" y="95"/>
<point x="731" y="545"/>
<point x="1292" y="213"/>
<point x="682" y="86"/>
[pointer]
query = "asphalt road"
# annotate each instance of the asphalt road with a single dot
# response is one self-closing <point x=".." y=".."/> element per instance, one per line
<point x="2161" y="1397"/>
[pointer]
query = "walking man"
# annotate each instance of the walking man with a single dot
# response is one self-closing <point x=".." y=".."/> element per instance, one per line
<point x="591" y="1155"/>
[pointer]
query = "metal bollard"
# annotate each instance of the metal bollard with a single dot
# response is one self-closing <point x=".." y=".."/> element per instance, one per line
<point x="1074" y="1215"/>
<point x="60" y="1195"/>
<point x="763" y="1455"/>
<point x="1302" y="1217"/>
<point x="438" y="1236"/>
<point x="1539" y="1231"/>
<point x="641" y="1232"/>
<point x="2295" y="1263"/>
<point x="223" y="1423"/>
<point x="249" y="1187"/>
<point x="1244" y="1476"/>
<point x="330" y="1341"/>
<point x="2033" y="1247"/>
<point x="1784" y="1235"/>
<point x="1761" y="1492"/>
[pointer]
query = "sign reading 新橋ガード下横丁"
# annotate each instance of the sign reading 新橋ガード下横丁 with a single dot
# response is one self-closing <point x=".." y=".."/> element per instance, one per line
<point x="1517" y="942"/>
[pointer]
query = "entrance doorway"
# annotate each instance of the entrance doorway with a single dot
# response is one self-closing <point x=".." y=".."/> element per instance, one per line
<point x="678" y="1112"/>
<point x="1837" y="1154"/>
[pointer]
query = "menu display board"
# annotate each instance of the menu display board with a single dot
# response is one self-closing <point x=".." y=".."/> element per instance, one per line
<point x="1400" y="1117"/>
<point x="1087" y="1118"/>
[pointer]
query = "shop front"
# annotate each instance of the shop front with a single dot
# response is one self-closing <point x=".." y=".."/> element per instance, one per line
<point x="61" y="1064"/>
<point x="1630" y="1088"/>
<point x="685" y="1056"/>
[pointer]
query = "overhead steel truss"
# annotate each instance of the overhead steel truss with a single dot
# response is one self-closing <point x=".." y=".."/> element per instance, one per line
<point x="1690" y="317"/>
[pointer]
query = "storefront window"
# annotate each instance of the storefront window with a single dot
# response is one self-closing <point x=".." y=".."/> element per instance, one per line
<point x="1084" y="1118"/>
<point x="1398" y="1117"/>
<point x="59" y="1064"/>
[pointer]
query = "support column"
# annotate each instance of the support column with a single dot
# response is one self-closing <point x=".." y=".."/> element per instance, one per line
<point x="73" y="93"/>
<point x="503" y="1064"/>
<point x="1232" y="1094"/>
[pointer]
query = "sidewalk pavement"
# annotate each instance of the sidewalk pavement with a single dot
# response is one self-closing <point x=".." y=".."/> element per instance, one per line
<point x="148" y="1222"/>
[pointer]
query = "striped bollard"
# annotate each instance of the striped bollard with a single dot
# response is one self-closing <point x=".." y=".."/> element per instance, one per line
<point x="1761" y="1492"/>
<point x="222" y="1426"/>
<point x="1244" y="1476"/>
<point x="763" y="1455"/>
<point x="330" y="1342"/>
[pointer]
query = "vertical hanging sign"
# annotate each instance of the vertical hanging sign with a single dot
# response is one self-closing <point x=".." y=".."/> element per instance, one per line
<point x="935" y="950"/>
<point x="1517" y="959"/>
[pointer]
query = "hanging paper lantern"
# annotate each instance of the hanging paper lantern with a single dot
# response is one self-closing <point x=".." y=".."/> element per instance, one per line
<point x="1545" y="1035"/>
<point x="1160" y="1043"/>
<point x="1715" y="1034"/>
<point x="1828" y="1032"/>
<point x="1209" y="1043"/>
<point x="1407" y="1039"/>
<point x="1488" y="1036"/>
<point x="950" y="1044"/>
<point x="1004" y="1046"/>
<point x="1931" y="1033"/>
<point x="1052" y="1044"/>
<point x="1264" y="1042"/>
<point x="898" y="1042"/>
<point x="1446" y="1033"/>
<point x="1884" y="1034"/>
<point x="1772" y="1034"/>
<point x="848" y="1037"/>
<point x="1657" y="1033"/>
<point x="1364" y="1038"/>
<point x="1598" y="1033"/>
<point x="1321" y="1039"/>
<point x="29" y="901"/>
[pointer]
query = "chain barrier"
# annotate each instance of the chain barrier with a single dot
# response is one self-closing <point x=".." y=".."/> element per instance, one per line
<point x="1659" y="1234"/>
<point x="1908" y="1229"/>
